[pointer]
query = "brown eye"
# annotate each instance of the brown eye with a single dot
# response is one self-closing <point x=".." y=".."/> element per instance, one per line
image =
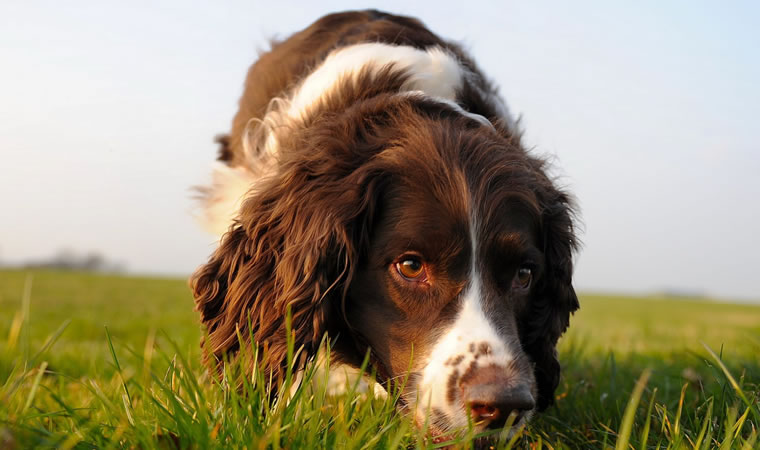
<point x="411" y="268"/>
<point x="523" y="277"/>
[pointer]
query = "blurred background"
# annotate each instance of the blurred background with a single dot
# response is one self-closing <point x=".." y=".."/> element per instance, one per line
<point x="650" y="110"/>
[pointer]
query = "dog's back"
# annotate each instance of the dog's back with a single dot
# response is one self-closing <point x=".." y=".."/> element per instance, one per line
<point x="277" y="71"/>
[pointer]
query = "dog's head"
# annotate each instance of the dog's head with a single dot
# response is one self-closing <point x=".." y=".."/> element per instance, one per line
<point x="404" y="226"/>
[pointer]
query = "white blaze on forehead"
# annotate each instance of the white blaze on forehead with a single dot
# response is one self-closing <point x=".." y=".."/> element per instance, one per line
<point x="469" y="331"/>
<point x="459" y="346"/>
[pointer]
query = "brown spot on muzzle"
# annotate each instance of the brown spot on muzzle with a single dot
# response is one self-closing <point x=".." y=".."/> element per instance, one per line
<point x="452" y="386"/>
<point x="484" y="349"/>
<point x="469" y="373"/>
<point x="454" y="360"/>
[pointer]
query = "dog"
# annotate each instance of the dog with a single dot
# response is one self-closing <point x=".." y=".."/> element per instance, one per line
<point x="374" y="187"/>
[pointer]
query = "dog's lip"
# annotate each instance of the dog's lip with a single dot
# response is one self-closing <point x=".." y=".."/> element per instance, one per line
<point x="438" y="436"/>
<point x="441" y="438"/>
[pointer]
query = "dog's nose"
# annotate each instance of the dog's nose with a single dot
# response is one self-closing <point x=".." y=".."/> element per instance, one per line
<point x="493" y="402"/>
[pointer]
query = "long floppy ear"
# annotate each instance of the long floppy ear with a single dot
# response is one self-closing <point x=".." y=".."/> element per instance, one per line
<point x="292" y="247"/>
<point x="549" y="314"/>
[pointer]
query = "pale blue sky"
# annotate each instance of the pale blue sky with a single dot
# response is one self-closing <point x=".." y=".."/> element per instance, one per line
<point x="108" y="110"/>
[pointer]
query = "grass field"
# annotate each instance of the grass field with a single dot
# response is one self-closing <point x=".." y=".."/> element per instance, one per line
<point x="94" y="361"/>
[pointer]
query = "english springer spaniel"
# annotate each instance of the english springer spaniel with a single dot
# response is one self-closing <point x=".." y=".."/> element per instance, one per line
<point x="374" y="184"/>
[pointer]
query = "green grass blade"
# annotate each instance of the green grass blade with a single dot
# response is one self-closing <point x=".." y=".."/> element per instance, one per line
<point x="630" y="412"/>
<point x="705" y="424"/>
<point x="35" y="385"/>
<point x="730" y="421"/>
<point x="128" y="399"/>
<point x="753" y="407"/>
<point x="647" y="424"/>
<point x="749" y="444"/>
<point x="677" y="422"/>
<point x="740" y="423"/>
<point x="50" y="341"/>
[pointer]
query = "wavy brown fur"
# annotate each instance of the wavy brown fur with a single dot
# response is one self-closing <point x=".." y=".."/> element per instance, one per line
<point x="310" y="237"/>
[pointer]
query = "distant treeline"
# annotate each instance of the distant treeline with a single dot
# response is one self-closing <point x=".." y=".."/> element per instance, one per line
<point x="71" y="260"/>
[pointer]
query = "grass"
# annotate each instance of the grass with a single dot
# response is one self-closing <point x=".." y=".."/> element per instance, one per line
<point x="93" y="361"/>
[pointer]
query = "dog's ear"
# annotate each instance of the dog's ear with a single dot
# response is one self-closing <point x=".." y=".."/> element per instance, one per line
<point x="555" y="299"/>
<point x="292" y="249"/>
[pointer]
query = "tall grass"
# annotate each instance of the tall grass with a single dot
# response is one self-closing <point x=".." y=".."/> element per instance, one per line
<point x="157" y="395"/>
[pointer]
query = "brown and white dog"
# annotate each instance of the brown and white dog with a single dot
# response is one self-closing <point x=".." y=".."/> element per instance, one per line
<point x="375" y="185"/>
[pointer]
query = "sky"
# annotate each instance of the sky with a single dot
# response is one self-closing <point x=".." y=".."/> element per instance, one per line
<point x="650" y="111"/>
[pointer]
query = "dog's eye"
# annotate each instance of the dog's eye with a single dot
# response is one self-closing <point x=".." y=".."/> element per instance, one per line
<point x="411" y="268"/>
<point x="523" y="277"/>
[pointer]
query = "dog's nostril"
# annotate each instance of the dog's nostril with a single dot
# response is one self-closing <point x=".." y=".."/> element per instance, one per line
<point x="493" y="403"/>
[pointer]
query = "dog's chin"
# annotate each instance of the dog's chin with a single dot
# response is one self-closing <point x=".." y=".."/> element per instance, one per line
<point x="442" y="431"/>
<point x="452" y="440"/>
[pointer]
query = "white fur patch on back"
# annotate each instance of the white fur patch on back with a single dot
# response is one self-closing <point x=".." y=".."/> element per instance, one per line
<point x="434" y="72"/>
